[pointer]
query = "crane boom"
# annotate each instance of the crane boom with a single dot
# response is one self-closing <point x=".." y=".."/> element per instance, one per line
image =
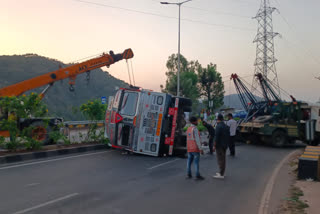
<point x="244" y="93"/>
<point x="68" y="72"/>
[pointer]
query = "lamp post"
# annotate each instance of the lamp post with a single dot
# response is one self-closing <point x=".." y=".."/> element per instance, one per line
<point x="178" y="73"/>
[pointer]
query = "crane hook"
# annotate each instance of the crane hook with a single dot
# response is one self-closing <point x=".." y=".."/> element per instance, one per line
<point x="71" y="88"/>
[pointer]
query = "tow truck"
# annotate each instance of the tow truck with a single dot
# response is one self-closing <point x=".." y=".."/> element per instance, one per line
<point x="41" y="131"/>
<point x="275" y="121"/>
<point x="147" y="122"/>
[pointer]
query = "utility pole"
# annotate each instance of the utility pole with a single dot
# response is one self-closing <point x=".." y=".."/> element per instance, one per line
<point x="178" y="73"/>
<point x="265" y="59"/>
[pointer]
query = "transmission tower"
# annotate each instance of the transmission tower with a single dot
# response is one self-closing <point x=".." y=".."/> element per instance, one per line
<point x="265" y="60"/>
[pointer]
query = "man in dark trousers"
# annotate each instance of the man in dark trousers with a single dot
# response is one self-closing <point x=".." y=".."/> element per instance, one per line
<point x="220" y="145"/>
<point x="211" y="135"/>
<point x="233" y="127"/>
<point x="194" y="148"/>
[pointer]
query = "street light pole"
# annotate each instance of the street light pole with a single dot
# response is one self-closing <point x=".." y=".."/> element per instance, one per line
<point x="178" y="73"/>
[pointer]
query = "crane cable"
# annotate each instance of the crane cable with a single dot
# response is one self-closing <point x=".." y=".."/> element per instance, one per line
<point x="128" y="71"/>
<point x="134" y="82"/>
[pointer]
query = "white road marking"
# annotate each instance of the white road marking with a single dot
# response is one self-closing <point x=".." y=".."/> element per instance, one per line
<point x="52" y="160"/>
<point x="46" y="203"/>
<point x="32" y="184"/>
<point x="156" y="166"/>
<point x="265" y="200"/>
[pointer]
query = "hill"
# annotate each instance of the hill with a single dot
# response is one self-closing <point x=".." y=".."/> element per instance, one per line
<point x="60" y="101"/>
<point x="233" y="101"/>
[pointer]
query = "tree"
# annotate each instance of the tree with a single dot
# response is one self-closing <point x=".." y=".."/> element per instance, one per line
<point x="211" y="85"/>
<point x="188" y="77"/>
<point x="94" y="109"/>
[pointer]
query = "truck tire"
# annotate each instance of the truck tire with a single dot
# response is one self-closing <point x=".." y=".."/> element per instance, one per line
<point x="184" y="101"/>
<point x="315" y="142"/>
<point x="279" y="138"/>
<point x="187" y="108"/>
<point x="40" y="132"/>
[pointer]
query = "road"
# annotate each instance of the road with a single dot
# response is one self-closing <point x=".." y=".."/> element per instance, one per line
<point x="112" y="182"/>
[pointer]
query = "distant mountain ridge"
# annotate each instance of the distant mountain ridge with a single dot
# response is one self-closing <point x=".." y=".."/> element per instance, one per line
<point x="233" y="101"/>
<point x="60" y="101"/>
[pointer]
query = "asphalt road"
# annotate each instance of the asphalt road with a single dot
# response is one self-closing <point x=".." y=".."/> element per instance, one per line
<point x="111" y="182"/>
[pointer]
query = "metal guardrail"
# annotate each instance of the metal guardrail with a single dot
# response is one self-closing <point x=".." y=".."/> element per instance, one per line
<point x="82" y="124"/>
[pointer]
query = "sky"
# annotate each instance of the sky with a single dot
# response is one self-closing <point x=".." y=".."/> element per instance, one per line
<point x="217" y="31"/>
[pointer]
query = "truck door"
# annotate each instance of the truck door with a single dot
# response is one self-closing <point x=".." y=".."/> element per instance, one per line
<point x="112" y="119"/>
<point x="128" y="111"/>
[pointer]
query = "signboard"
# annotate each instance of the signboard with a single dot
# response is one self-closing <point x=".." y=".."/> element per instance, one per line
<point x="103" y="100"/>
<point x="211" y="103"/>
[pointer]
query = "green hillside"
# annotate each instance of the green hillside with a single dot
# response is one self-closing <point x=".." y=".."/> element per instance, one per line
<point x="60" y="101"/>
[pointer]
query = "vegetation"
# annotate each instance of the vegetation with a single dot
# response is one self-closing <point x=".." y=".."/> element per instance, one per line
<point x="57" y="136"/>
<point x="200" y="127"/>
<point x="294" y="204"/>
<point x="14" y="108"/>
<point x="211" y="86"/>
<point x="188" y="78"/>
<point x="94" y="110"/>
<point x="195" y="81"/>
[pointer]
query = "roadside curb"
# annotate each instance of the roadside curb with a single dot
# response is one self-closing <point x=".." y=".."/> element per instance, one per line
<point x="265" y="200"/>
<point x="50" y="153"/>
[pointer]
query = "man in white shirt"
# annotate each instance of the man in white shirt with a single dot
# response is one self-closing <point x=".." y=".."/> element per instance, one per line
<point x="233" y="128"/>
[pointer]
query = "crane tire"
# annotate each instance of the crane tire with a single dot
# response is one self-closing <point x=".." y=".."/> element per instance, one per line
<point x="41" y="132"/>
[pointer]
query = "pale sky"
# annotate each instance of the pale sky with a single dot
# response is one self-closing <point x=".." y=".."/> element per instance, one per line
<point x="220" y="31"/>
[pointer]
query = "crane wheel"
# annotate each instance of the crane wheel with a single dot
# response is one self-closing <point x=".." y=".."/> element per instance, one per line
<point x="40" y="132"/>
<point x="279" y="138"/>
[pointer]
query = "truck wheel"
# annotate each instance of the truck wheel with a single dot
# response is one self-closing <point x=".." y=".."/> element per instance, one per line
<point x="184" y="101"/>
<point x="279" y="138"/>
<point x="187" y="108"/>
<point x="315" y="142"/>
<point x="253" y="139"/>
<point x="40" y="132"/>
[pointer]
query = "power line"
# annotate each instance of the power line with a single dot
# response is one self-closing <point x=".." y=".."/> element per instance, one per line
<point x="296" y="35"/>
<point x="213" y="11"/>
<point x="169" y="17"/>
<point x="220" y="12"/>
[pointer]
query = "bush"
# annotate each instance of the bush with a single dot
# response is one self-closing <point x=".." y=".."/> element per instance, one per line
<point x="94" y="109"/>
<point x="200" y="127"/>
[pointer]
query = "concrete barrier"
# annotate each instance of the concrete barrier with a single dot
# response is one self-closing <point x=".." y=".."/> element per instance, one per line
<point x="77" y="131"/>
<point x="309" y="163"/>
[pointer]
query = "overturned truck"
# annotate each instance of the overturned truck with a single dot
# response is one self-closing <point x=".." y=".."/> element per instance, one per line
<point x="147" y="122"/>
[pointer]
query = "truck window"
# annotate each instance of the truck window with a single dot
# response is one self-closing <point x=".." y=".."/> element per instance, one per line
<point x="129" y="104"/>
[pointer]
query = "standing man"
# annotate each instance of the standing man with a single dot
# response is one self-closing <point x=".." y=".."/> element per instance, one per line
<point x="233" y="127"/>
<point x="211" y="135"/>
<point x="221" y="144"/>
<point x="194" y="148"/>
